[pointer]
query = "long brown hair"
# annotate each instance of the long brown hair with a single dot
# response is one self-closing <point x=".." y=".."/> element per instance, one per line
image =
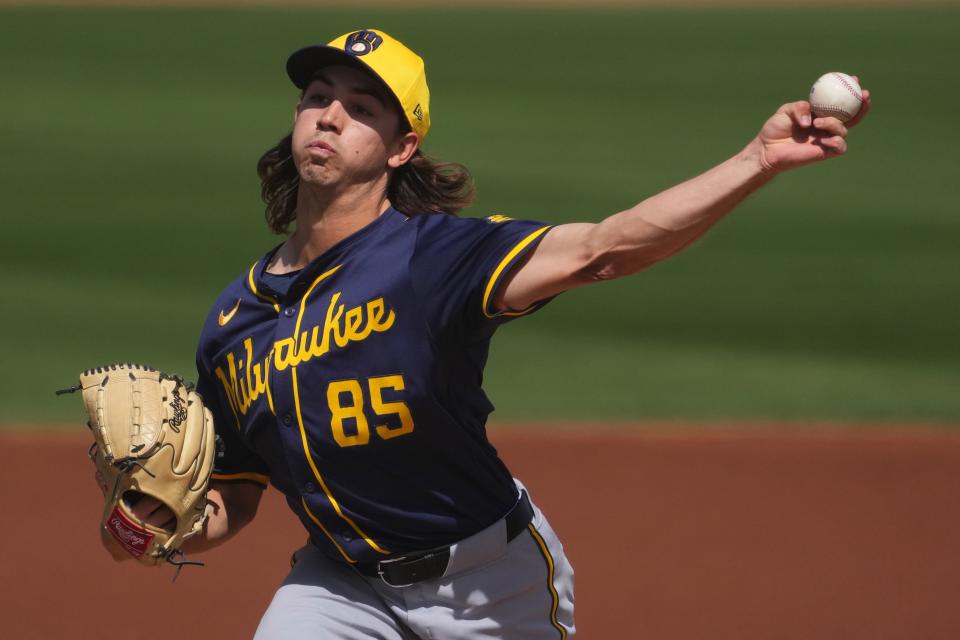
<point x="422" y="185"/>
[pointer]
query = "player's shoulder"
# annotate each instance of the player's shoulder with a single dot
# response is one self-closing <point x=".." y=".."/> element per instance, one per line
<point x="473" y="244"/>
<point x="238" y="292"/>
<point x="440" y="227"/>
<point x="236" y="289"/>
<point x="446" y="222"/>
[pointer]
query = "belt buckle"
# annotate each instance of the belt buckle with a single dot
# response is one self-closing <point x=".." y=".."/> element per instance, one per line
<point x="383" y="578"/>
<point x="417" y="573"/>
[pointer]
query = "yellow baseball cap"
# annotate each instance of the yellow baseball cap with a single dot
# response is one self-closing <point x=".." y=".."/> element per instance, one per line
<point x="400" y="69"/>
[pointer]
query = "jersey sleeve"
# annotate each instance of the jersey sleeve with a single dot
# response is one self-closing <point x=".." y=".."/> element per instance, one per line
<point x="460" y="263"/>
<point x="235" y="462"/>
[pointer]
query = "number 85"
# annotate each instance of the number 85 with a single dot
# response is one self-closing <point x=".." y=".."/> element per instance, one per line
<point x="352" y="392"/>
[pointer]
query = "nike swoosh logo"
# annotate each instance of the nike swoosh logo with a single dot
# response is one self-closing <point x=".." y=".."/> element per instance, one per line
<point x="227" y="317"/>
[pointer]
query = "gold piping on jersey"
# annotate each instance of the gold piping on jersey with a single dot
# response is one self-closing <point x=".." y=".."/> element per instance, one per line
<point x="520" y="246"/>
<point x="253" y="288"/>
<point x="316" y="472"/>
<point x="303" y="433"/>
<point x="259" y="478"/>
<point x="553" y="590"/>
<point x="327" y="533"/>
<point x="267" y="376"/>
<point x="303" y="301"/>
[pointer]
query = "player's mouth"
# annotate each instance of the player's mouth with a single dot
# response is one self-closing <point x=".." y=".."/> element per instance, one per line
<point x="321" y="147"/>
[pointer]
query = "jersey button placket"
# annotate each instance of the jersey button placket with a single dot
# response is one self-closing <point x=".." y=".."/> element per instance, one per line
<point x="309" y="487"/>
<point x="289" y="312"/>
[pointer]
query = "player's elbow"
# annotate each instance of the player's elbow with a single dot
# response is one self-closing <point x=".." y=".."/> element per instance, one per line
<point x="613" y="266"/>
<point x="243" y="513"/>
<point x="599" y="270"/>
<point x="596" y="259"/>
<point x="612" y="260"/>
<point x="615" y="253"/>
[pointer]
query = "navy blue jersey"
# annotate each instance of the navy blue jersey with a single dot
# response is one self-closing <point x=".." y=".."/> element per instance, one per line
<point x="357" y="391"/>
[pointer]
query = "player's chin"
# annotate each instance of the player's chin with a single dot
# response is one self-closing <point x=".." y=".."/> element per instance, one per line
<point x="318" y="174"/>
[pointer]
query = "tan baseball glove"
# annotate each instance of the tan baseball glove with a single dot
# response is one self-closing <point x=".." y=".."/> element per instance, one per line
<point x="152" y="437"/>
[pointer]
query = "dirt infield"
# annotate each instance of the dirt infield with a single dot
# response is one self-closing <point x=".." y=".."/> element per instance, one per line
<point x="690" y="533"/>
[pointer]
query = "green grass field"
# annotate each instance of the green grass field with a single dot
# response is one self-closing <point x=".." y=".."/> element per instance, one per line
<point x="130" y="198"/>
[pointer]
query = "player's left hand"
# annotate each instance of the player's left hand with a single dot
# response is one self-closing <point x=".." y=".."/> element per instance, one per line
<point x="153" y="452"/>
<point x="793" y="137"/>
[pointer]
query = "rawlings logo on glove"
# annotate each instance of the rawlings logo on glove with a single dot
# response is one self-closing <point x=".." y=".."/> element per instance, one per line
<point x="152" y="437"/>
<point x="131" y="537"/>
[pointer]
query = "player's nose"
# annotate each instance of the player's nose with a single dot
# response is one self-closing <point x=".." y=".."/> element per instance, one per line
<point x="331" y="118"/>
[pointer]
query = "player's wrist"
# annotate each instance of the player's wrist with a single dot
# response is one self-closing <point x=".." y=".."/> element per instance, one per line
<point x="754" y="157"/>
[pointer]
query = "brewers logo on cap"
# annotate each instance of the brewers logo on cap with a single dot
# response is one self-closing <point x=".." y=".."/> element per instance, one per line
<point x="361" y="43"/>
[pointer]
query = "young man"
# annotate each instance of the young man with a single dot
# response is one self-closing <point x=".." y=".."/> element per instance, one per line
<point x="344" y="366"/>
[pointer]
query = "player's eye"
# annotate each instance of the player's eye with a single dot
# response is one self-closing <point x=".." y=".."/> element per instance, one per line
<point x="318" y="98"/>
<point x="362" y="110"/>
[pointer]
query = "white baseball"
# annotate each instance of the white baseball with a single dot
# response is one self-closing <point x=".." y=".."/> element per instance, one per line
<point x="836" y="94"/>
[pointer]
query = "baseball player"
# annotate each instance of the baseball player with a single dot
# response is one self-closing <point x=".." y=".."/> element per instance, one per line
<point x="344" y="366"/>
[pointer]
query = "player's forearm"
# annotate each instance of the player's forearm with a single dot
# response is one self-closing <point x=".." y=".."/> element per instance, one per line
<point x="662" y="225"/>
<point x="230" y="507"/>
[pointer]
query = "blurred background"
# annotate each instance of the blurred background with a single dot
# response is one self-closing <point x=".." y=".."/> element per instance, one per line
<point x="783" y="395"/>
<point x="131" y="134"/>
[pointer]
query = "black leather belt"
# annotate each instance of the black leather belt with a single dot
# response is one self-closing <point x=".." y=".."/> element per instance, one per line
<point x="408" y="569"/>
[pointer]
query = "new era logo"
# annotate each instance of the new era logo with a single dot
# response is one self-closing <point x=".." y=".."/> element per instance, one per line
<point x="418" y="113"/>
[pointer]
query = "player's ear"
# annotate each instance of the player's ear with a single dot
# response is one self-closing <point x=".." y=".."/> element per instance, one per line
<point x="403" y="149"/>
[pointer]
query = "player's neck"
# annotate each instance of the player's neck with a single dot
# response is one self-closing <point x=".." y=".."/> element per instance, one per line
<point x="323" y="220"/>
